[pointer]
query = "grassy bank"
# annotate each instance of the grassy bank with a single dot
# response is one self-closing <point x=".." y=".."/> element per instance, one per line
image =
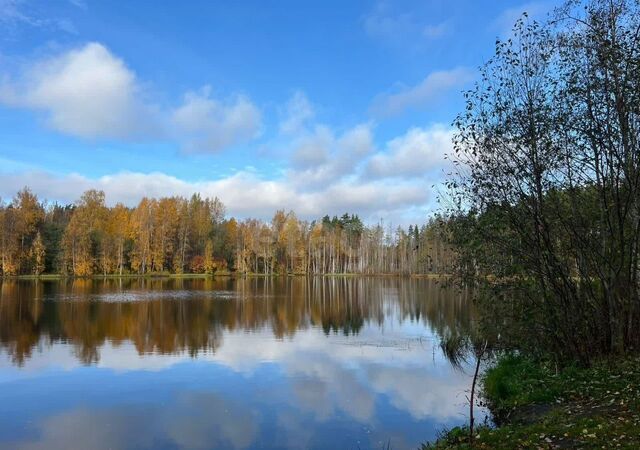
<point x="539" y="407"/>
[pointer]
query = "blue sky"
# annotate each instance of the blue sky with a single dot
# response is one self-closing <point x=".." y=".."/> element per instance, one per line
<point x="317" y="106"/>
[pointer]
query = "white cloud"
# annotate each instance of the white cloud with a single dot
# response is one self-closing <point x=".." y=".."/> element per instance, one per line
<point x="432" y="88"/>
<point x="207" y="125"/>
<point x="327" y="173"/>
<point x="358" y="141"/>
<point x="322" y="157"/>
<point x="86" y="92"/>
<point x="296" y="113"/>
<point x="244" y="194"/>
<point x="91" y="93"/>
<point x="313" y="150"/>
<point x="417" y="153"/>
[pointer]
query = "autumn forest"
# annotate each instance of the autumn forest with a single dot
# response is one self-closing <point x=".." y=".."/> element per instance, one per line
<point x="179" y="236"/>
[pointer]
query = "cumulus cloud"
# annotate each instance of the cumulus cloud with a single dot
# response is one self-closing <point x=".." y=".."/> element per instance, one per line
<point x="296" y="113"/>
<point x="419" y="152"/>
<point x="86" y="92"/>
<point x="313" y="150"/>
<point x="432" y="88"/>
<point x="321" y="157"/>
<point x="207" y="125"/>
<point x="327" y="173"/>
<point x="245" y="194"/>
<point x="91" y="93"/>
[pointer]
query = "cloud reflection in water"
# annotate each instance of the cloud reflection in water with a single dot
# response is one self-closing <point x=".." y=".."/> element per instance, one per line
<point x="279" y="364"/>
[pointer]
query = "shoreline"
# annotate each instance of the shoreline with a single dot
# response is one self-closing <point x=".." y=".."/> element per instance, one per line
<point x="537" y="405"/>
<point x="197" y="276"/>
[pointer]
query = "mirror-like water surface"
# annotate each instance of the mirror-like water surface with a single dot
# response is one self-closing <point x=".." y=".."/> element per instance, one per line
<point x="282" y="363"/>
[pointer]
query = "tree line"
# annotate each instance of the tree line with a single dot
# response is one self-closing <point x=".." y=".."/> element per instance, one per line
<point x="193" y="235"/>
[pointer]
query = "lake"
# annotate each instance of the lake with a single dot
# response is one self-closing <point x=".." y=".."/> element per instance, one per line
<point x="254" y="363"/>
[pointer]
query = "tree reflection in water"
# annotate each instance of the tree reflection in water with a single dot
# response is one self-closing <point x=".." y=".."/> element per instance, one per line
<point x="170" y="316"/>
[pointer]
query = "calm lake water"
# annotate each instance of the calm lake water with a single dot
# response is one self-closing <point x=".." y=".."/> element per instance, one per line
<point x="283" y="363"/>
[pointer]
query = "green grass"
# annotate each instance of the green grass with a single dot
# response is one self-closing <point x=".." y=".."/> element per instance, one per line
<point x="539" y="407"/>
<point x="517" y="381"/>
